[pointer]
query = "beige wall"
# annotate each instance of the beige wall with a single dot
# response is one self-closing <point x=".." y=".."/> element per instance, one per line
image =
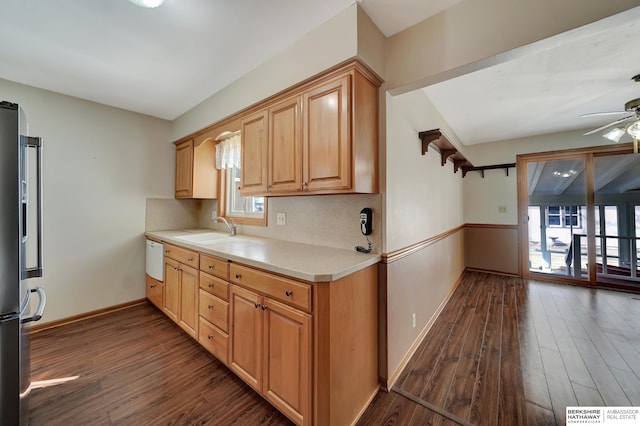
<point x="476" y="34"/>
<point x="491" y="248"/>
<point x="100" y="165"/>
<point x="329" y="44"/>
<point x="422" y="200"/>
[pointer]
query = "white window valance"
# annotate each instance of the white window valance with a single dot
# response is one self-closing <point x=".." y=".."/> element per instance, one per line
<point x="228" y="153"/>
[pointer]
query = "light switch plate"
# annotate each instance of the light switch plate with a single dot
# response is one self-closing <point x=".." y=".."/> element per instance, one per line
<point x="281" y="218"/>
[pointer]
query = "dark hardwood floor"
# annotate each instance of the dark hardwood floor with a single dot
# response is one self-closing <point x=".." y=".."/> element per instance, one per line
<point x="504" y="351"/>
<point x="507" y="351"/>
<point x="136" y="367"/>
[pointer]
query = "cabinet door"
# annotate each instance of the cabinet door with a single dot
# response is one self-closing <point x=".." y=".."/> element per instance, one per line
<point x="184" y="169"/>
<point x="287" y="360"/>
<point x="245" y="351"/>
<point x="285" y="146"/>
<point x="254" y="154"/>
<point x="154" y="292"/>
<point x="189" y="291"/>
<point x="172" y="289"/>
<point x="327" y="136"/>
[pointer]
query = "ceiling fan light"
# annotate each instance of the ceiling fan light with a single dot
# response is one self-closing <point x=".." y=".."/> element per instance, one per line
<point x="564" y="173"/>
<point x="147" y="3"/>
<point x="634" y="129"/>
<point x="615" y="134"/>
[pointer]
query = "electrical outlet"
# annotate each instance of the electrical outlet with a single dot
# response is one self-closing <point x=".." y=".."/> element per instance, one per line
<point x="502" y="209"/>
<point x="413" y="320"/>
<point x="281" y="218"/>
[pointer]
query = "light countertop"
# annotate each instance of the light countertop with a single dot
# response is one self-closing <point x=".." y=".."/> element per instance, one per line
<point x="297" y="260"/>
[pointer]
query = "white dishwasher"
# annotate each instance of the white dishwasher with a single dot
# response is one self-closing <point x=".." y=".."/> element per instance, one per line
<point x="155" y="260"/>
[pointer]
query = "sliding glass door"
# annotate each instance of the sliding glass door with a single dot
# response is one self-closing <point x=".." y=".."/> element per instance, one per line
<point x="580" y="215"/>
<point x="617" y="198"/>
<point x="557" y="217"/>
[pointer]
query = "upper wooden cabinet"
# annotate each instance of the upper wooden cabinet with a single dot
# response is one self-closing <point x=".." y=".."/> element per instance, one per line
<point x="196" y="174"/>
<point x="285" y="146"/>
<point x="254" y="153"/>
<point x="326" y="136"/>
<point x="320" y="139"/>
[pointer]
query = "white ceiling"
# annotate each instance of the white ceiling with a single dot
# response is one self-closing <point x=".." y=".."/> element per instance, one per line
<point x="545" y="87"/>
<point x="164" y="61"/>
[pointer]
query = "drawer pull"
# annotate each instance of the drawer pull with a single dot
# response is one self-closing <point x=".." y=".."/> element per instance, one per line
<point x="210" y="336"/>
<point x="257" y="305"/>
<point x="210" y="307"/>
<point x="152" y="286"/>
<point x="167" y="251"/>
<point x="238" y="276"/>
<point x="288" y="293"/>
<point x="264" y="307"/>
<point x="210" y="266"/>
<point x="190" y="259"/>
<point x="210" y="285"/>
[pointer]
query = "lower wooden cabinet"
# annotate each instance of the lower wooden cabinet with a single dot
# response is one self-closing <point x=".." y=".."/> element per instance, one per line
<point x="181" y="295"/>
<point x="311" y="349"/>
<point x="270" y="349"/>
<point x="155" y="292"/>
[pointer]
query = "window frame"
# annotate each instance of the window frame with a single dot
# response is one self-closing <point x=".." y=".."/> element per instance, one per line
<point x="223" y="200"/>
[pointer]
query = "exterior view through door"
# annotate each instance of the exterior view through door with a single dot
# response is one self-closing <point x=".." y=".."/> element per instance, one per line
<point x="582" y="215"/>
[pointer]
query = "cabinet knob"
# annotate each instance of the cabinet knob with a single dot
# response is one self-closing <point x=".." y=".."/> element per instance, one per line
<point x="238" y="276"/>
<point x="167" y="251"/>
<point x="264" y="307"/>
<point x="210" y="336"/>
<point x="210" y="285"/>
<point x="190" y="259"/>
<point x="152" y="286"/>
<point x="257" y="305"/>
<point x="210" y="307"/>
<point x="288" y="293"/>
<point x="210" y="266"/>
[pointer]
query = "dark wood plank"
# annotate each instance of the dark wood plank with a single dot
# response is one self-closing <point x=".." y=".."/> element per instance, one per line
<point x="137" y="367"/>
<point x="503" y="351"/>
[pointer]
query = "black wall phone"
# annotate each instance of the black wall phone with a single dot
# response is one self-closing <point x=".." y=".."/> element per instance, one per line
<point x="366" y="221"/>
<point x="366" y="227"/>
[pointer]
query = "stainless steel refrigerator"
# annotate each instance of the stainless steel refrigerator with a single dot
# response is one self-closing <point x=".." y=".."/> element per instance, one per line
<point x="20" y="258"/>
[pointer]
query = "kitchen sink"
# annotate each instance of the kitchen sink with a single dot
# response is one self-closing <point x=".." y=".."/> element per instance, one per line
<point x="202" y="238"/>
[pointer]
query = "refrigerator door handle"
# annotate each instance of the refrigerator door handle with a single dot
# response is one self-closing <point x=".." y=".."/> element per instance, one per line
<point x="38" y="270"/>
<point x="41" y="305"/>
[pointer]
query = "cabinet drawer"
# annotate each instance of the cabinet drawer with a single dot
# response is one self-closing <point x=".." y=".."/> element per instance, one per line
<point x="286" y="290"/>
<point x="214" y="310"/>
<point x="155" y="292"/>
<point x="182" y="255"/>
<point x="214" y="340"/>
<point x="215" y="286"/>
<point x="214" y="266"/>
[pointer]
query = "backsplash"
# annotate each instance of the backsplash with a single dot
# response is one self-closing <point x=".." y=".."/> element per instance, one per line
<point x="170" y="213"/>
<point x="327" y="220"/>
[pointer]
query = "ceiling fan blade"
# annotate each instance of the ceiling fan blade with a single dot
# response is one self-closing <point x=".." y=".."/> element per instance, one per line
<point x="594" y="114"/>
<point x="613" y="123"/>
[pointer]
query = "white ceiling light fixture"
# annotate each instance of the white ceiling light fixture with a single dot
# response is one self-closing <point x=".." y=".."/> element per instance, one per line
<point x="147" y="3"/>
<point x="632" y="129"/>
<point x="615" y="134"/>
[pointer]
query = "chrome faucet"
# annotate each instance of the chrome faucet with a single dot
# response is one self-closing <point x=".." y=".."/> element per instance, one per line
<point x="232" y="227"/>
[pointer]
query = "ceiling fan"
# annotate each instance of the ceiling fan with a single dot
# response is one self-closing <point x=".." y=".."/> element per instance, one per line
<point x="632" y="109"/>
